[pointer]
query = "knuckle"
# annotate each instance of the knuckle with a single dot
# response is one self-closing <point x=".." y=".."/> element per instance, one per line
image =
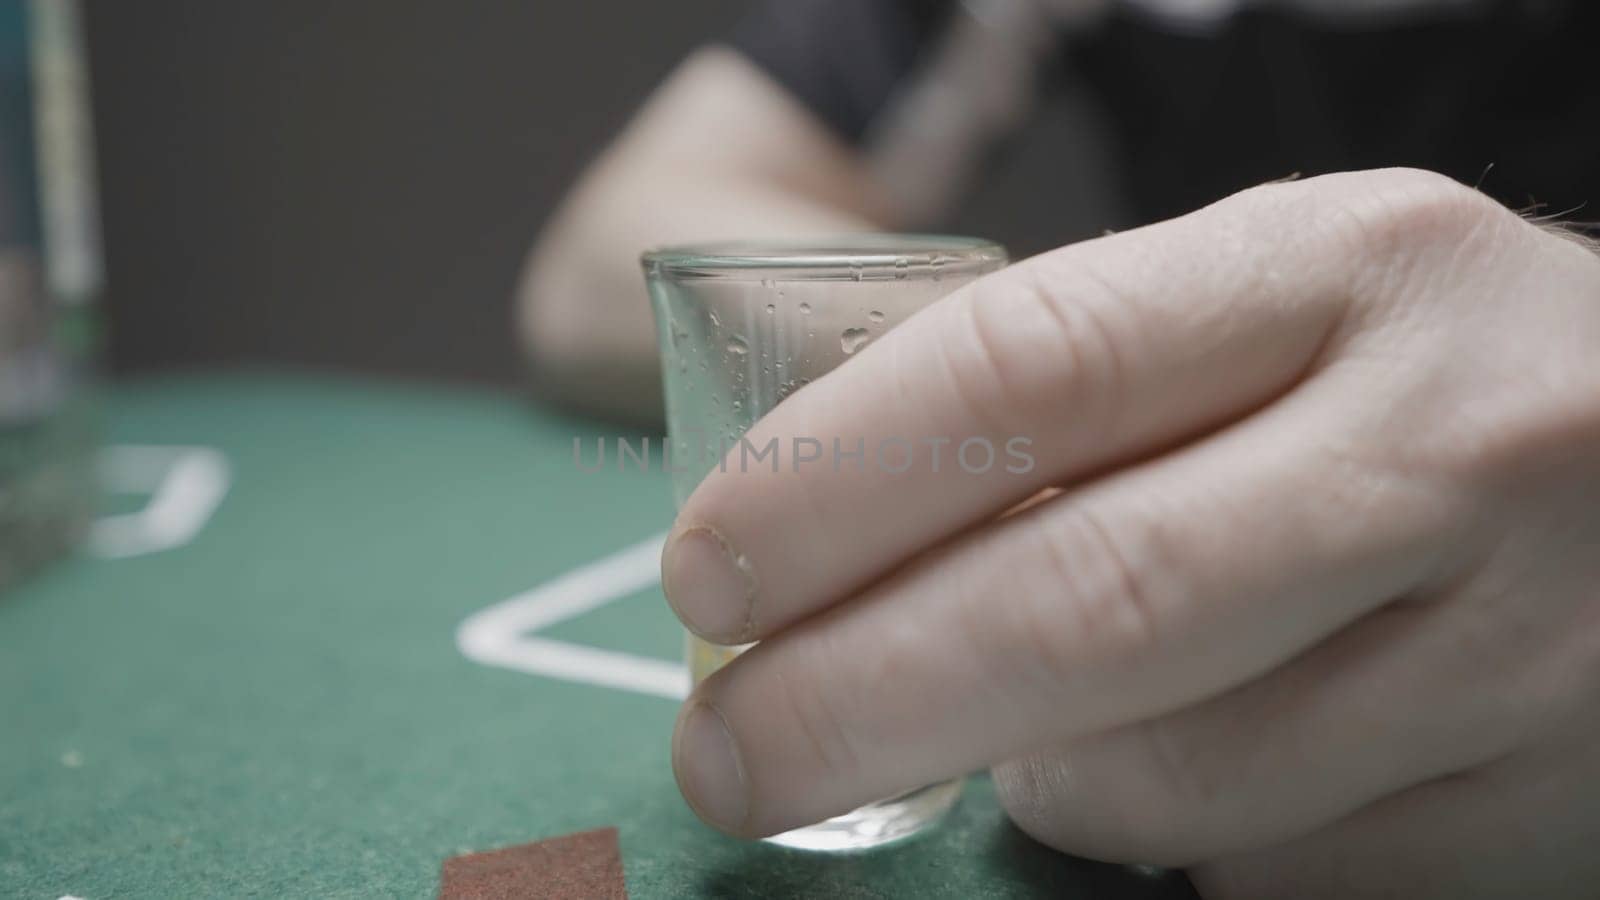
<point x="1517" y="428"/>
<point x="1512" y="396"/>
<point x="824" y="731"/>
<point x="1384" y="501"/>
<point x="1540" y="439"/>
<point x="1117" y="602"/>
<point x="1080" y="801"/>
<point x="1358" y="481"/>
<point x="1409" y="212"/>
<point x="1184" y="790"/>
<point x="1030" y="791"/>
<point x="1160" y="798"/>
<point x="1032" y="347"/>
<point x="1394" y="225"/>
<point x="1090" y="605"/>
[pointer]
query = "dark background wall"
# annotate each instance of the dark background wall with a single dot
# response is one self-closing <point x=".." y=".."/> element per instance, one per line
<point x="354" y="184"/>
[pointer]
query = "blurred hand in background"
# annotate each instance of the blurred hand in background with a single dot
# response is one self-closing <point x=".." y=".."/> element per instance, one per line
<point x="718" y="151"/>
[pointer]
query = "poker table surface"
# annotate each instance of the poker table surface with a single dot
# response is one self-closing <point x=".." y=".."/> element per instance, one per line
<point x="279" y="704"/>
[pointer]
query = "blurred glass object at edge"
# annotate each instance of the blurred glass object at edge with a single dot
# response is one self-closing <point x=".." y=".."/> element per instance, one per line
<point x="50" y="281"/>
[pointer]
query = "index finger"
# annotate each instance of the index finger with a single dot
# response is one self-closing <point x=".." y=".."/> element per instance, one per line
<point x="1085" y="357"/>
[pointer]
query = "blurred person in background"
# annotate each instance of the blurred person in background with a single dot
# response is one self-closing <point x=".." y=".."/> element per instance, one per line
<point x="1320" y="612"/>
<point x="816" y="116"/>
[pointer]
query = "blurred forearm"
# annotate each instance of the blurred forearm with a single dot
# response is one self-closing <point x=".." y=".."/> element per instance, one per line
<point x="718" y="152"/>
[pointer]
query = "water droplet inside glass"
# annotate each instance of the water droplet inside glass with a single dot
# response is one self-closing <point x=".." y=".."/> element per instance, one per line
<point x="771" y="309"/>
<point x="853" y="339"/>
<point x="714" y="320"/>
<point x="766" y="283"/>
<point x="900" y="265"/>
<point x="855" y="271"/>
<point x="875" y="317"/>
<point x="737" y="346"/>
<point x="805" y="309"/>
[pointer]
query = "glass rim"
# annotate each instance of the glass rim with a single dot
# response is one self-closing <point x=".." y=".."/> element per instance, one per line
<point x="849" y="257"/>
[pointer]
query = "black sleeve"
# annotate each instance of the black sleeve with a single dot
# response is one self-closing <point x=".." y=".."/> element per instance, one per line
<point x="842" y="58"/>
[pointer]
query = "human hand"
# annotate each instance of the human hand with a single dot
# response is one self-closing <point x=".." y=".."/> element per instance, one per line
<point x="1315" y="611"/>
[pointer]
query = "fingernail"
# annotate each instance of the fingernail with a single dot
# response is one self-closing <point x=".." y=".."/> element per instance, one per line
<point x="710" y="587"/>
<point x="706" y="763"/>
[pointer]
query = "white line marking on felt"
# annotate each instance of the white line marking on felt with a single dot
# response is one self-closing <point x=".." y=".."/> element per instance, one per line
<point x="186" y="485"/>
<point x="502" y="635"/>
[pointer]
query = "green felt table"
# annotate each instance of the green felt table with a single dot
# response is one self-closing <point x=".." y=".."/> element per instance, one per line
<point x="280" y="707"/>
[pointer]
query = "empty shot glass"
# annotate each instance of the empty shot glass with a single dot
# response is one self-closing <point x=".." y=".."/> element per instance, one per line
<point x="741" y="326"/>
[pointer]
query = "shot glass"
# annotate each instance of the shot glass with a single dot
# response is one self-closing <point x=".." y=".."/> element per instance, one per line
<point x="741" y="326"/>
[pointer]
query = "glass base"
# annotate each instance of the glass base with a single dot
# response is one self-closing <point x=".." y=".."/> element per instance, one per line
<point x="878" y="823"/>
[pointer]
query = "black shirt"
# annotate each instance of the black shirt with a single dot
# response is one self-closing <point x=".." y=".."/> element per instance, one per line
<point x="1206" y="97"/>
